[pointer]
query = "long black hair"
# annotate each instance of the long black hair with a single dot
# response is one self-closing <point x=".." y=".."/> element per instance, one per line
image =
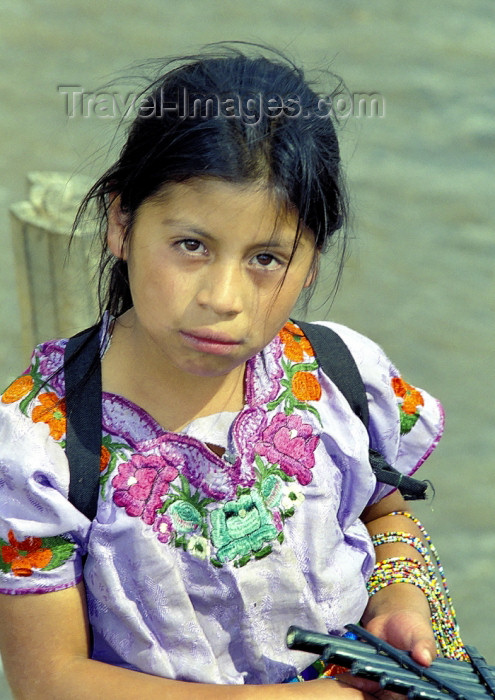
<point x="233" y="113"/>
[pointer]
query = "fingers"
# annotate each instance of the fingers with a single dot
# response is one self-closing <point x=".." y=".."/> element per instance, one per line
<point x="424" y="651"/>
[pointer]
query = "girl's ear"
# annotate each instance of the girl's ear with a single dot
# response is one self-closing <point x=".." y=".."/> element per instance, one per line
<point x="117" y="227"/>
<point x="313" y="270"/>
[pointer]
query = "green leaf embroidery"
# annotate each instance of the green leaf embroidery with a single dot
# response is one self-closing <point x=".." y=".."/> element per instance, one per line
<point x="3" y="564"/>
<point x="263" y="552"/>
<point x="407" y="421"/>
<point x="61" y="549"/>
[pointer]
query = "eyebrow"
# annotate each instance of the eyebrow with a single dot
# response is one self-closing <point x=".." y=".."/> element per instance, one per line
<point x="194" y="230"/>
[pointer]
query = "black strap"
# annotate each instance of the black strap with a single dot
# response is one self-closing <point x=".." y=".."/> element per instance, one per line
<point x="82" y="370"/>
<point x="336" y="360"/>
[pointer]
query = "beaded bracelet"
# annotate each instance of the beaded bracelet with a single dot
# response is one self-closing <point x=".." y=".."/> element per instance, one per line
<point x="425" y="577"/>
<point x="405" y="537"/>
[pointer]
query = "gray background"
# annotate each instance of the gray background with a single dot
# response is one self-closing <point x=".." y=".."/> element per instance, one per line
<point x="420" y="280"/>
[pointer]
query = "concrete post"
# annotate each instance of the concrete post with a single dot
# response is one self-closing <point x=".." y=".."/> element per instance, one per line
<point x="57" y="291"/>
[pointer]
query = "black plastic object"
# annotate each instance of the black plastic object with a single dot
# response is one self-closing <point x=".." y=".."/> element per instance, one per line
<point x="395" y="670"/>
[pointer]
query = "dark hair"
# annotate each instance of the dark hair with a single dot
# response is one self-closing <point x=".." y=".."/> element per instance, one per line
<point x="224" y="114"/>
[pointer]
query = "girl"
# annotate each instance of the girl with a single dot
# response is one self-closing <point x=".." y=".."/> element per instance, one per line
<point x="236" y="495"/>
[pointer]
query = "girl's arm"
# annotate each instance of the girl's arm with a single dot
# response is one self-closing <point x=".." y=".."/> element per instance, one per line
<point x="44" y="643"/>
<point x="400" y="613"/>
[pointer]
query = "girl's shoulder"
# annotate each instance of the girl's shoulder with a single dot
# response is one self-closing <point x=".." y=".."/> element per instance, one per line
<point x="405" y="421"/>
<point x="37" y="394"/>
<point x="378" y="372"/>
<point x="45" y="368"/>
<point x="40" y="389"/>
<point x="365" y="351"/>
<point x="372" y="363"/>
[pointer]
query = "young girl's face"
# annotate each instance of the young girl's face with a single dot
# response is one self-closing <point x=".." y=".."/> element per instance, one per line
<point x="209" y="272"/>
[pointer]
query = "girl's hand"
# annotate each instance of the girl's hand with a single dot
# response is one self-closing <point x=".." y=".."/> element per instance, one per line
<point x="399" y="615"/>
<point x="407" y="629"/>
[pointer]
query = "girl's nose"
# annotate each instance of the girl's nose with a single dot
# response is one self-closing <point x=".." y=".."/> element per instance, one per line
<point x="221" y="290"/>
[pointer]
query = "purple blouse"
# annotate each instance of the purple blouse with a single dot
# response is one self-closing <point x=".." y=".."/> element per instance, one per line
<point x="197" y="564"/>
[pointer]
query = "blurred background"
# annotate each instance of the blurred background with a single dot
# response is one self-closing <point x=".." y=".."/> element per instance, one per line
<point x="420" y="280"/>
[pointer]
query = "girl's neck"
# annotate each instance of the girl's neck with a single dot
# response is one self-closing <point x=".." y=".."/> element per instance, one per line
<point x="171" y="397"/>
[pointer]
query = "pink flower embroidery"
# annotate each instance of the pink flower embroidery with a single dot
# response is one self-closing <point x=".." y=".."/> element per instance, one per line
<point x="291" y="444"/>
<point x="164" y="527"/>
<point x="141" y="484"/>
<point x="51" y="359"/>
<point x="277" y="521"/>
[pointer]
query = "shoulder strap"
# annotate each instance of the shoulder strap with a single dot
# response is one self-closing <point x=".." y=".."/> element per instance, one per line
<point x="336" y="360"/>
<point x="82" y="370"/>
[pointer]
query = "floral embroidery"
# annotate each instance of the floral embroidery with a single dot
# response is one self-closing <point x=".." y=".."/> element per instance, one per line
<point x="292" y="400"/>
<point x="52" y="412"/>
<point x="26" y="388"/>
<point x="51" y="359"/>
<point x="300" y="383"/>
<point x="296" y="345"/>
<point x="19" y="388"/>
<point x="105" y="457"/>
<point x="306" y="387"/>
<point x="111" y="453"/>
<point x="164" y="527"/>
<point x="408" y="407"/>
<point x="20" y="558"/>
<point x="186" y="510"/>
<point x="290" y="443"/>
<point x="278" y="489"/>
<point x="229" y="511"/>
<point x="225" y="512"/>
<point x="141" y="484"/>
<point x="185" y="517"/>
<point x="50" y="408"/>
<point x="240" y="528"/>
<point x="199" y="547"/>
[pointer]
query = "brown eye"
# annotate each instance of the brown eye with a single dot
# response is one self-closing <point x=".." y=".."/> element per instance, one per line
<point x="191" y="245"/>
<point x="267" y="261"/>
<point x="264" y="259"/>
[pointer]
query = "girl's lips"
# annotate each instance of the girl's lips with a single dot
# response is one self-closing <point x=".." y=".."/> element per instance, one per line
<point x="210" y="342"/>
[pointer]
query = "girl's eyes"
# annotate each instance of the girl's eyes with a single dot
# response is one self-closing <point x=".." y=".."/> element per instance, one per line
<point x="191" y="246"/>
<point x="267" y="261"/>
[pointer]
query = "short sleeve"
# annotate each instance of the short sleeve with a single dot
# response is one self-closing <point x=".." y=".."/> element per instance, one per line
<point x="406" y="423"/>
<point x="42" y="536"/>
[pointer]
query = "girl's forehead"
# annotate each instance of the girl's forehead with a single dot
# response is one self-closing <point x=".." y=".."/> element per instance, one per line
<point x="218" y="201"/>
<point x="205" y="189"/>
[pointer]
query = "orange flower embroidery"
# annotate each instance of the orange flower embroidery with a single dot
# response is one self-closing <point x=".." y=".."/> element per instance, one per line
<point x="25" y="556"/>
<point x="52" y="412"/>
<point x="306" y="387"/>
<point x="411" y="397"/>
<point x="334" y="670"/>
<point x="295" y="342"/>
<point x="105" y="457"/>
<point x="18" y="389"/>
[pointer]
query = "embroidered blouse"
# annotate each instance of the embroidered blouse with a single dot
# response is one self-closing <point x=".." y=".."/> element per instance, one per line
<point x="197" y="564"/>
